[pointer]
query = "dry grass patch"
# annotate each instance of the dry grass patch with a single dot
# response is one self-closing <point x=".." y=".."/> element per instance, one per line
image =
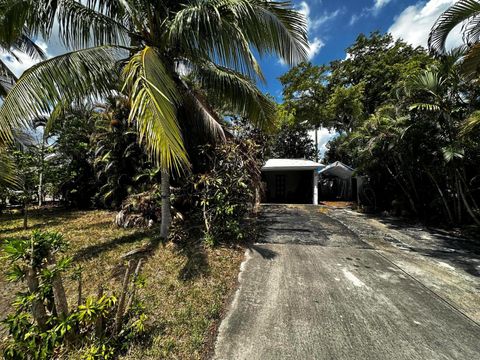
<point x="186" y="288"/>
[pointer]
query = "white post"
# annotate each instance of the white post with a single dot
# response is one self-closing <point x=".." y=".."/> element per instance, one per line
<point x="315" y="187"/>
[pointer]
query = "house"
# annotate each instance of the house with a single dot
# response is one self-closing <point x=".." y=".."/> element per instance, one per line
<point x="293" y="181"/>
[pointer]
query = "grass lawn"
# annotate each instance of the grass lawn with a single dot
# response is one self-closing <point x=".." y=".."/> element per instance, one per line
<point x="186" y="290"/>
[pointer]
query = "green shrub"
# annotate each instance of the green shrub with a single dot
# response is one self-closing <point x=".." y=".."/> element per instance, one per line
<point x="42" y="326"/>
<point x="226" y="193"/>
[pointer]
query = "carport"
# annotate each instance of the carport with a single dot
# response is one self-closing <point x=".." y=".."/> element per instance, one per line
<point x="337" y="182"/>
<point x="292" y="181"/>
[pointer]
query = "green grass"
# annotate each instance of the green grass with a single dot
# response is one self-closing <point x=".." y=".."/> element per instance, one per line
<point x="187" y="285"/>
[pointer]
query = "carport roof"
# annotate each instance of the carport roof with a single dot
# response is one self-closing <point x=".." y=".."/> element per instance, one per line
<point x="291" y="164"/>
<point x="338" y="169"/>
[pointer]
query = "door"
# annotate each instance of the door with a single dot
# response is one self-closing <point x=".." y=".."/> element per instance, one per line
<point x="280" y="187"/>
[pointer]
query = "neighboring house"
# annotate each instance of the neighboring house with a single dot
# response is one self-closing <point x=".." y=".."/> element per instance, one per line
<point x="293" y="181"/>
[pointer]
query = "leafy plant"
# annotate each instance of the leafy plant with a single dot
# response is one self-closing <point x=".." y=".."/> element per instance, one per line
<point x="227" y="192"/>
<point x="43" y="327"/>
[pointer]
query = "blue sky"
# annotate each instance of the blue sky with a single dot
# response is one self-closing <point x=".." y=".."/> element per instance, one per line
<point x="335" y="24"/>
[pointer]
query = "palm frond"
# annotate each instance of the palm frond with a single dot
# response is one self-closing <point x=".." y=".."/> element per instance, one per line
<point x="76" y="75"/>
<point x="154" y="100"/>
<point x="201" y="117"/>
<point x="455" y="15"/>
<point x="429" y="81"/>
<point x="7" y="79"/>
<point x="83" y="25"/>
<point x="224" y="31"/>
<point x="472" y="122"/>
<point x="424" y="107"/>
<point x="8" y="177"/>
<point x="452" y="152"/>
<point x="237" y="94"/>
<point x="209" y="29"/>
<point x="28" y="46"/>
<point x="274" y="27"/>
<point x="13" y="16"/>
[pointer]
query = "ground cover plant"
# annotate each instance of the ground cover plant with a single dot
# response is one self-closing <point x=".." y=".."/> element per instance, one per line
<point x="186" y="284"/>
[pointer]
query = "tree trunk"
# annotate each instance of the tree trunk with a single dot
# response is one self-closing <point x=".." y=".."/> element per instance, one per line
<point x="40" y="189"/>
<point x="466" y="204"/>
<point x="25" y="215"/>
<point x="59" y="296"/>
<point x="42" y="168"/>
<point x="38" y="308"/>
<point x="402" y="187"/>
<point x="121" y="300"/>
<point x="442" y="196"/>
<point x="99" y="322"/>
<point x="316" y="143"/>
<point x="166" y="215"/>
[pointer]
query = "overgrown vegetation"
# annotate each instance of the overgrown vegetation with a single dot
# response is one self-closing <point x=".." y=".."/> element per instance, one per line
<point x="404" y="122"/>
<point x="186" y="284"/>
<point x="43" y="326"/>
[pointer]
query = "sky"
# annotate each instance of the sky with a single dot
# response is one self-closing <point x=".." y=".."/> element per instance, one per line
<point x="333" y="25"/>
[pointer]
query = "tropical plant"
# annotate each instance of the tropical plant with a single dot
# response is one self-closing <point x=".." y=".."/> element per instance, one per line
<point x="21" y="43"/>
<point x="466" y="12"/>
<point x="228" y="191"/>
<point x="158" y="47"/>
<point x="442" y="91"/>
<point x="43" y="325"/>
<point x="118" y="157"/>
<point x="72" y="174"/>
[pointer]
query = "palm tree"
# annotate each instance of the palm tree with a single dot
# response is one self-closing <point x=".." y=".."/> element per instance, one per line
<point x="24" y="44"/>
<point x="467" y="14"/>
<point x="167" y="54"/>
<point x="440" y="87"/>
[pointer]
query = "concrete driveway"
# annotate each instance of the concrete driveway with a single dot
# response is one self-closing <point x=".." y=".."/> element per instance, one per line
<point x="329" y="284"/>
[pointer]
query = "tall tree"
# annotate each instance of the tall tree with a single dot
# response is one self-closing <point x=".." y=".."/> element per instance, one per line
<point x="466" y="12"/>
<point x="157" y="47"/>
<point x="305" y="91"/>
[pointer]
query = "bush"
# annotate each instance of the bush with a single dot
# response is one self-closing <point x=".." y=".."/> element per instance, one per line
<point x="227" y="192"/>
<point x="42" y="327"/>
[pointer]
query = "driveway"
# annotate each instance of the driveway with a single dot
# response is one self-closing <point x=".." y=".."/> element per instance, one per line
<point x="331" y="284"/>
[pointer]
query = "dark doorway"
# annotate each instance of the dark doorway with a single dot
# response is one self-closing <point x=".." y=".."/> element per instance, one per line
<point x="292" y="187"/>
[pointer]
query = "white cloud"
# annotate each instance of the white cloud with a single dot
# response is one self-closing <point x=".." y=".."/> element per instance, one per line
<point x="22" y="61"/>
<point x="324" y="136"/>
<point x="379" y="4"/>
<point x="374" y="10"/>
<point x="314" y="23"/>
<point x="324" y="18"/>
<point x="354" y="19"/>
<point x="414" y="23"/>
<point x="315" y="46"/>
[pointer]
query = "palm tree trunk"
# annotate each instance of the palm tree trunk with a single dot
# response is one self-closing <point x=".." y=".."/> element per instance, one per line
<point x="442" y="196"/>
<point x="59" y="297"/>
<point x="40" y="177"/>
<point x="465" y="201"/>
<point x="40" y="189"/>
<point x="405" y="191"/>
<point x="166" y="215"/>
<point x="25" y="214"/>
<point x="38" y="308"/>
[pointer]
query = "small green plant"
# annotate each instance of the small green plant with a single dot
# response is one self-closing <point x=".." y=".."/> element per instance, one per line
<point x="43" y="327"/>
